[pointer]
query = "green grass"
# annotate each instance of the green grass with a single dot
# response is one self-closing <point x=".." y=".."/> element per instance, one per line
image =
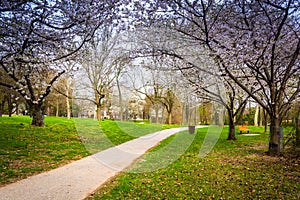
<point x="232" y="170"/>
<point x="173" y="169"/>
<point x="112" y="133"/>
<point x="27" y="150"/>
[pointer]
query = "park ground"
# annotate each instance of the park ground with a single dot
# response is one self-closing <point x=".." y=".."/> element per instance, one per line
<point x="232" y="170"/>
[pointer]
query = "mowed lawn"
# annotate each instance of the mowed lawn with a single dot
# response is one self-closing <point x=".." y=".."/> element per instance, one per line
<point x="26" y="150"/>
<point x="232" y="170"/>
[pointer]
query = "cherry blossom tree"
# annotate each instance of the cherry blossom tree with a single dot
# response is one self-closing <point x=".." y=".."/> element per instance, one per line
<point x="265" y="46"/>
<point x="256" y="43"/>
<point x="37" y="36"/>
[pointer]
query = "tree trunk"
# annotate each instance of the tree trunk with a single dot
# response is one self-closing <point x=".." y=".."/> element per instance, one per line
<point x="17" y="109"/>
<point x="68" y="108"/>
<point x="68" y="102"/>
<point x="98" y="112"/>
<point x="297" y="123"/>
<point x="10" y="106"/>
<point x="37" y="115"/>
<point x="2" y="108"/>
<point x="239" y="119"/>
<point x="162" y="116"/>
<point x="120" y="99"/>
<point x="169" y="118"/>
<point x="256" y="115"/>
<point x="231" y="131"/>
<point x="260" y="116"/>
<point x="57" y="108"/>
<point x="265" y="120"/>
<point x="187" y="113"/>
<point x="274" y="141"/>
<point x="156" y="114"/>
<point x="49" y="111"/>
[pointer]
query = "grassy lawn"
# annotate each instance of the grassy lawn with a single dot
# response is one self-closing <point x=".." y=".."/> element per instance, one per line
<point x="26" y="150"/>
<point x="232" y="170"/>
<point x="116" y="132"/>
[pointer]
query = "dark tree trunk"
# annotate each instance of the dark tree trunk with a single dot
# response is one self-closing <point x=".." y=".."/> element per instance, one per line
<point x="17" y="109"/>
<point x="37" y="115"/>
<point x="169" y="118"/>
<point x="275" y="135"/>
<point x="2" y="108"/>
<point x="231" y="131"/>
<point x="297" y="123"/>
<point x="239" y="119"/>
<point x="260" y="116"/>
<point x="265" y="121"/>
<point x="10" y="107"/>
<point x="9" y="111"/>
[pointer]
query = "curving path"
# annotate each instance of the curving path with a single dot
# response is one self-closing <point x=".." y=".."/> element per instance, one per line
<point x="80" y="178"/>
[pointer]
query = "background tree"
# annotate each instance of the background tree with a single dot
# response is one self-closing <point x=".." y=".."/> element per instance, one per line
<point x="159" y="86"/>
<point x="98" y="66"/>
<point x="292" y="125"/>
<point x="297" y="124"/>
<point x="146" y="82"/>
<point x="198" y="69"/>
<point x="205" y="112"/>
<point x="66" y="84"/>
<point x="121" y="64"/>
<point x="2" y="100"/>
<point x="9" y="99"/>
<point x="213" y="88"/>
<point x="54" y="104"/>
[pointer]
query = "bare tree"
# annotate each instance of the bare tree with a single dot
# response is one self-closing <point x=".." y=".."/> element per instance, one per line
<point x="99" y="66"/>
<point x="37" y="35"/>
<point x="121" y="64"/>
<point x="159" y="86"/>
<point x="146" y="83"/>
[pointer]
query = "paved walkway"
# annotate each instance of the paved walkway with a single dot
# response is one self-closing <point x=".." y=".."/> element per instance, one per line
<point x="80" y="178"/>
